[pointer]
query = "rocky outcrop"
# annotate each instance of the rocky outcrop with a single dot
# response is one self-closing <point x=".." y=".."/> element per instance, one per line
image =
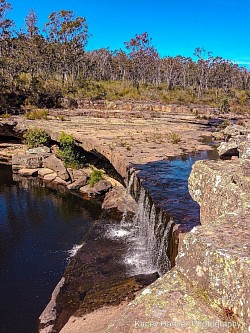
<point x="208" y="290"/>
<point x="237" y="142"/>
<point x="9" y="128"/>
<point x="23" y="161"/>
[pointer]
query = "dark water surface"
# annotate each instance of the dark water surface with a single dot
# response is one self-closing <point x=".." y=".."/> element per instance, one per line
<point x="167" y="183"/>
<point x="38" y="226"/>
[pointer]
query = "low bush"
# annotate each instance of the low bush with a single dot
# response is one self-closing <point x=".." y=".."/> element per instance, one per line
<point x="95" y="176"/>
<point x="36" y="137"/>
<point x="37" y="114"/>
<point x="175" y="138"/>
<point x="68" y="152"/>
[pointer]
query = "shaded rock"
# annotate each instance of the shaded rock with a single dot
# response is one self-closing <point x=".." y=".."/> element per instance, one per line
<point x="235" y="143"/>
<point x="50" y="177"/>
<point x="44" y="171"/>
<point x="118" y="198"/>
<point x="79" y="173"/>
<point x="54" y="163"/>
<point x="49" y="313"/>
<point x="25" y="161"/>
<point x="39" y="150"/>
<point x="228" y="149"/>
<point x="28" y="172"/>
<point x="78" y="183"/>
<point x="9" y="128"/>
<point x="99" y="188"/>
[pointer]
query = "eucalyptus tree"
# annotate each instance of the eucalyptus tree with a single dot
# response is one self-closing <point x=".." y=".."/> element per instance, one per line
<point x="67" y="35"/>
<point x="143" y="57"/>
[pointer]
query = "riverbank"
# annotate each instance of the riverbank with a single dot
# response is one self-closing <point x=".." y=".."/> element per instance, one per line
<point x="134" y="140"/>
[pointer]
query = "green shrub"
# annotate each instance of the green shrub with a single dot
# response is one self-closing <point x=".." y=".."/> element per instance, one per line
<point x="95" y="176"/>
<point x="175" y="138"/>
<point x="37" y="114"/>
<point x="36" y="137"/>
<point x="68" y="152"/>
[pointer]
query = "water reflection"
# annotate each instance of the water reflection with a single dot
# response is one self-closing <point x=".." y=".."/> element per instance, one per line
<point x="38" y="226"/>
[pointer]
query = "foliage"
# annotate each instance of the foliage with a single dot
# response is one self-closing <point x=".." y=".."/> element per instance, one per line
<point x="68" y="152"/>
<point x="225" y="123"/>
<point x="175" y="138"/>
<point x="95" y="176"/>
<point x="36" y="137"/>
<point x="37" y="114"/>
<point x="46" y="68"/>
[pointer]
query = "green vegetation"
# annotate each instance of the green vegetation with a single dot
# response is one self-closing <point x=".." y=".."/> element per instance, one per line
<point x="225" y="123"/>
<point x="68" y="152"/>
<point x="36" y="137"/>
<point x="175" y="138"/>
<point x="37" y="114"/>
<point x="95" y="176"/>
<point x="52" y="69"/>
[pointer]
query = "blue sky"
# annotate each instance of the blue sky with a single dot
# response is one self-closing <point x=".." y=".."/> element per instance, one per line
<point x="176" y="26"/>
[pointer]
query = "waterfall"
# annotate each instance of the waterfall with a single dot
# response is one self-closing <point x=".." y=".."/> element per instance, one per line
<point x="147" y="235"/>
<point x="149" y="238"/>
<point x="127" y="194"/>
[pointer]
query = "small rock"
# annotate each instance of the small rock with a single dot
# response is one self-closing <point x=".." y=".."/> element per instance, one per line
<point x="99" y="188"/>
<point x="78" y="183"/>
<point x="59" y="181"/>
<point x="28" y="172"/>
<point x="50" y="177"/>
<point x="44" y="171"/>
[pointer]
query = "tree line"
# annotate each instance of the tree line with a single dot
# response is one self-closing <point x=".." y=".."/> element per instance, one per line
<point x="42" y="67"/>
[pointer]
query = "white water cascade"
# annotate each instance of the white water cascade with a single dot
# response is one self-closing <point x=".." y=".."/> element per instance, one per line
<point x="147" y="234"/>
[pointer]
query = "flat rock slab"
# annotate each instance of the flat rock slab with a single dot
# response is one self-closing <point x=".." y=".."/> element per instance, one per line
<point x="50" y="177"/>
<point x="28" y="172"/>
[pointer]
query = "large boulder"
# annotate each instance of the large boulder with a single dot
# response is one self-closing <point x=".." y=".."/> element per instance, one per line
<point x="236" y="142"/>
<point x="118" y="198"/>
<point x="25" y="161"/>
<point x="54" y="163"/>
<point x="9" y="128"/>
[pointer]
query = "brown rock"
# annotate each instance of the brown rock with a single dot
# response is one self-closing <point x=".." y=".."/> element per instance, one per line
<point x="28" y="172"/>
<point x="118" y="198"/>
<point x="44" y="171"/>
<point x="54" y="163"/>
<point x="50" y="177"/>
<point x="25" y="161"/>
<point x="99" y="188"/>
<point x="78" y="183"/>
